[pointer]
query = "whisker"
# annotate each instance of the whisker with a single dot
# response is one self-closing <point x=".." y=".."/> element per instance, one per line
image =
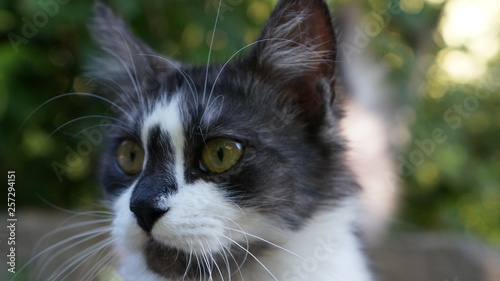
<point x="210" y="50"/>
<point x="82" y="118"/>
<point x="72" y="226"/>
<point x="214" y="261"/>
<point x="268" y="242"/>
<point x="243" y="48"/>
<point x="189" y="261"/>
<point x="226" y="251"/>
<point x="186" y="77"/>
<point x="206" y="260"/>
<point x="83" y="237"/>
<point x="79" y="213"/>
<point x="100" y="265"/>
<point x="200" y="269"/>
<point x="210" y="105"/>
<point x="67" y="95"/>
<point x="60" y="243"/>
<point x="79" y="260"/>
<point x="252" y="255"/>
<point x="98" y="125"/>
<point x="125" y="101"/>
<point x="240" y="265"/>
<point x="132" y="76"/>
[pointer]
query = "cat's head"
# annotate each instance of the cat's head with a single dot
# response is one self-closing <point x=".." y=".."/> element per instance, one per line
<point x="210" y="161"/>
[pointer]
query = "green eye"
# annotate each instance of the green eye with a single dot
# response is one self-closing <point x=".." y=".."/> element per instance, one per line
<point x="130" y="157"/>
<point x="220" y="154"/>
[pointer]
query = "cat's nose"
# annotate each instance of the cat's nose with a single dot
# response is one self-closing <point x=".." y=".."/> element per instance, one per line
<point x="146" y="216"/>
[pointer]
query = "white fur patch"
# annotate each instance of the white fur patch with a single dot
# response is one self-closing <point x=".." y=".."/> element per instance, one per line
<point x="328" y="250"/>
<point x="169" y="118"/>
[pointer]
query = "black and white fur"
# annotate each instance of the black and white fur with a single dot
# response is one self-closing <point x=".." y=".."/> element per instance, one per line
<point x="286" y="211"/>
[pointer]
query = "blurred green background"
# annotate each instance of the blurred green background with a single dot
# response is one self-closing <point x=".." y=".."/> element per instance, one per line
<point x="442" y="56"/>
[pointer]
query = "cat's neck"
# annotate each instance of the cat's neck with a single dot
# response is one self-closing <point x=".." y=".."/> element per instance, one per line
<point x="328" y="248"/>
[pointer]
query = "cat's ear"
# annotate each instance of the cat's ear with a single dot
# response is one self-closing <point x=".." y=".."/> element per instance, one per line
<point x="127" y="56"/>
<point x="296" y="51"/>
<point x="297" y="48"/>
<point x="111" y="34"/>
<point x="298" y="39"/>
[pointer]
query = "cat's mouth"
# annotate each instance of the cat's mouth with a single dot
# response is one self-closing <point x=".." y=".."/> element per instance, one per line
<point x="180" y="264"/>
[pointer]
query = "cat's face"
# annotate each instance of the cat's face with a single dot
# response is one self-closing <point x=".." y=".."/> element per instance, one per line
<point x="209" y="164"/>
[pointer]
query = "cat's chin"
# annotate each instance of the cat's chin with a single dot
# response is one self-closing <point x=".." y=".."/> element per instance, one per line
<point x="178" y="263"/>
<point x="168" y="261"/>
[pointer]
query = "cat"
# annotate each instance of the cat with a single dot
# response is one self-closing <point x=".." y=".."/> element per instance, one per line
<point x="232" y="171"/>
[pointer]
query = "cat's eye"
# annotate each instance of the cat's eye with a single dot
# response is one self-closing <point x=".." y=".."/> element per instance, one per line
<point x="130" y="157"/>
<point x="220" y="155"/>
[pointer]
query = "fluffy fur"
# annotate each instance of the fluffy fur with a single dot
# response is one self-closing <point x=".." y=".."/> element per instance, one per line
<point x="286" y="210"/>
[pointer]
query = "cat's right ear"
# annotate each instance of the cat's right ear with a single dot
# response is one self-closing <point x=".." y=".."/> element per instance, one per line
<point x="111" y="34"/>
<point x="127" y="57"/>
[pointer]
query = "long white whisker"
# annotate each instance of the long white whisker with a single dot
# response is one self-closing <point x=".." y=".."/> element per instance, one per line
<point x="83" y="257"/>
<point x="243" y="48"/>
<point x="225" y="258"/>
<point x="82" y="118"/>
<point x="72" y="226"/>
<point x="98" y="125"/>
<point x="267" y="241"/>
<point x="67" y="95"/>
<point x="198" y="262"/>
<point x="189" y="261"/>
<point x="123" y="90"/>
<point x="245" y="233"/>
<point x="98" y="266"/>
<point x="107" y="214"/>
<point x="83" y="237"/>
<point x="60" y="243"/>
<point x="132" y="75"/>
<point x="186" y="77"/>
<point x="210" y="50"/>
<point x="210" y="105"/>
<point x="252" y="255"/>
<point x="207" y="261"/>
<point x="214" y="262"/>
<point x="246" y="238"/>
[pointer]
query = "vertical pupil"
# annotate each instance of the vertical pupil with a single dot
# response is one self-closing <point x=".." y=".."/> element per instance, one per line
<point x="132" y="155"/>
<point x="220" y="153"/>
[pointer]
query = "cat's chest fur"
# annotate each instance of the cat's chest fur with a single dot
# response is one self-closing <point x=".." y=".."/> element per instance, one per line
<point x="234" y="171"/>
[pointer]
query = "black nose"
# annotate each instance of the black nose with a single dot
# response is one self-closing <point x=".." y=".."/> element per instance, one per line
<point x="146" y="216"/>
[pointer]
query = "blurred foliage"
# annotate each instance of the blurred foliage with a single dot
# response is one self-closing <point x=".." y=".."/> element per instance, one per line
<point x="452" y="184"/>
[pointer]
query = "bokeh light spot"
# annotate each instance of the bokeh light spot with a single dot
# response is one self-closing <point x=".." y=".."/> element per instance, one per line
<point x="427" y="174"/>
<point x="258" y="12"/>
<point x="192" y="36"/>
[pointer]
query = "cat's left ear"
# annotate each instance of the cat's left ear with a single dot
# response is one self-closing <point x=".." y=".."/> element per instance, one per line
<point x="297" y="47"/>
